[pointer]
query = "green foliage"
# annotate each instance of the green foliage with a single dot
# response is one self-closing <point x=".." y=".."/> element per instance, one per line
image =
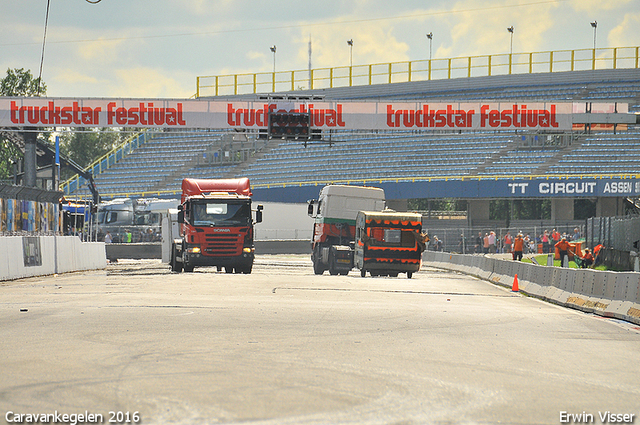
<point x="436" y="204"/>
<point x="85" y="146"/>
<point x="8" y="154"/>
<point x="520" y="209"/>
<point x="584" y="208"/>
<point x="19" y="82"/>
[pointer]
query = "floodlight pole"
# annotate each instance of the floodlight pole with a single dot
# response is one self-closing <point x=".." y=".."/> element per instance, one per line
<point x="350" y="43"/>
<point x="594" y="24"/>
<point x="510" y="29"/>
<point x="273" y="50"/>
<point x="430" y="37"/>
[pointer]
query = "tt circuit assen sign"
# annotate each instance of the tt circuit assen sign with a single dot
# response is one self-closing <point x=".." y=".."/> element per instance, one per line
<point x="163" y="113"/>
<point x="586" y="187"/>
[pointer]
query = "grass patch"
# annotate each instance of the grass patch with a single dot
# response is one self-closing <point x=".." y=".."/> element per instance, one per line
<point x="542" y="260"/>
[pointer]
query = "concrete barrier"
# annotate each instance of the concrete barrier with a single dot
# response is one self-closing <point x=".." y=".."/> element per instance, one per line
<point x="26" y="256"/>
<point x="610" y="294"/>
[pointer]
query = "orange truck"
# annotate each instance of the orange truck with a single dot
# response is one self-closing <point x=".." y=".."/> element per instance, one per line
<point x="216" y="226"/>
<point x="388" y="243"/>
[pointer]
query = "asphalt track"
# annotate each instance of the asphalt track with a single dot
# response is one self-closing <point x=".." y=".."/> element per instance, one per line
<point x="283" y="346"/>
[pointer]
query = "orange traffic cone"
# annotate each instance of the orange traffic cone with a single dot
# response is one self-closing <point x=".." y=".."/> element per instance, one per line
<point x="515" y="288"/>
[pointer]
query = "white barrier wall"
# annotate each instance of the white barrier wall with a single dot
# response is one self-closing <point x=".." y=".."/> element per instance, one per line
<point x="48" y="255"/>
<point x="606" y="293"/>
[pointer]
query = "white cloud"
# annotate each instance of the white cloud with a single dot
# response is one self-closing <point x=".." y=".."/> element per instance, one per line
<point x="626" y="33"/>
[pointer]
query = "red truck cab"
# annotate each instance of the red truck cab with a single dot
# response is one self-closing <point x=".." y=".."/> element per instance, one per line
<point x="216" y="226"/>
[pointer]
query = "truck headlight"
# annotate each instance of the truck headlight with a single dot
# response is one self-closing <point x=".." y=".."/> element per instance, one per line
<point x="248" y="250"/>
<point x="194" y="250"/>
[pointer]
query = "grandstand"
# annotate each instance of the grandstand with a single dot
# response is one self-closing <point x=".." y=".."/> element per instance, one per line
<point x="158" y="166"/>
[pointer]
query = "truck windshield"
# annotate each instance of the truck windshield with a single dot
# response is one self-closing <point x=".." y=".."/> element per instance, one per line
<point x="221" y="214"/>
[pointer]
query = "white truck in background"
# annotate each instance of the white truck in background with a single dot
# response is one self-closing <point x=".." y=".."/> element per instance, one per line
<point x="334" y="232"/>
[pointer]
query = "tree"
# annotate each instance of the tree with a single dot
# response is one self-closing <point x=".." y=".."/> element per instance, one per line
<point x="17" y="82"/>
<point x="85" y="146"/>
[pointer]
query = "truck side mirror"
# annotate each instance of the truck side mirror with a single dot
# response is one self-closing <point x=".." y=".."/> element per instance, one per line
<point x="181" y="213"/>
<point x="259" y="214"/>
<point x="310" y="208"/>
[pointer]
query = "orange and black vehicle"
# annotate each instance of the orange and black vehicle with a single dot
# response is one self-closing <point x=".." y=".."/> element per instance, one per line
<point x="388" y="243"/>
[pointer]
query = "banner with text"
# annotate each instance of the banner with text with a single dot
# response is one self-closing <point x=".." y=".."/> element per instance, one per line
<point x="165" y="113"/>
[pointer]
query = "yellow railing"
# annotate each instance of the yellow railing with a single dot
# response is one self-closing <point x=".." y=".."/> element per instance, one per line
<point x="420" y="70"/>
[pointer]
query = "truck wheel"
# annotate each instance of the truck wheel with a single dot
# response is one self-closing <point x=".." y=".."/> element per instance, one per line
<point x="175" y="265"/>
<point x="409" y="275"/>
<point x="188" y="268"/>
<point x="318" y="267"/>
<point x="363" y="272"/>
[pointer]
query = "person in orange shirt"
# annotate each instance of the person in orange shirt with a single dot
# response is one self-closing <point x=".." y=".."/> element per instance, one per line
<point x="563" y="248"/>
<point x="518" y="245"/>
<point x="587" y="259"/>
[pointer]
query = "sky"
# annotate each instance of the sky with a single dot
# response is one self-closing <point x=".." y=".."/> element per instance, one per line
<point x="157" y="48"/>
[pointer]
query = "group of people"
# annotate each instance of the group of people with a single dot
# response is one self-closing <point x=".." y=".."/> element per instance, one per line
<point x="487" y="244"/>
<point x="522" y="244"/>
<point x="564" y="248"/>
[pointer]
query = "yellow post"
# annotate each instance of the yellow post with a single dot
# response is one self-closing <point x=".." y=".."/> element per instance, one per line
<point x="573" y="55"/>
<point x="255" y="83"/>
<point x="350" y="75"/>
<point x="311" y="80"/>
<point x="449" y="72"/>
<point x="273" y="83"/>
<point x="293" y="81"/>
<point x="197" y="87"/>
<point x="331" y="77"/>
<point x="489" y="65"/>
<point x="530" y="63"/>
<point x="235" y="84"/>
<point x="615" y="57"/>
<point x="510" y="56"/>
<point x="469" y="73"/>
<point x="216" y="85"/>
<point x="409" y="72"/>
<point x="370" y="73"/>
<point x="593" y="64"/>
<point x="389" y="72"/>
<point x="429" y="70"/>
<point x="551" y="61"/>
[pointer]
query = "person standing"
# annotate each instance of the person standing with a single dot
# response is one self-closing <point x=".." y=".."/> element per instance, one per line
<point x="563" y="248"/>
<point x="508" y="240"/>
<point x="492" y="242"/>
<point x="479" y="243"/>
<point x="108" y="238"/>
<point x="576" y="234"/>
<point x="518" y="245"/>
<point x="545" y="241"/>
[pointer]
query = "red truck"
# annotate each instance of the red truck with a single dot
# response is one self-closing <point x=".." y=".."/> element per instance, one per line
<point x="216" y="226"/>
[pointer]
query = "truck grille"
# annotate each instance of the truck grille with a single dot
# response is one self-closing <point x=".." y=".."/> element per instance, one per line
<point x="223" y="245"/>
